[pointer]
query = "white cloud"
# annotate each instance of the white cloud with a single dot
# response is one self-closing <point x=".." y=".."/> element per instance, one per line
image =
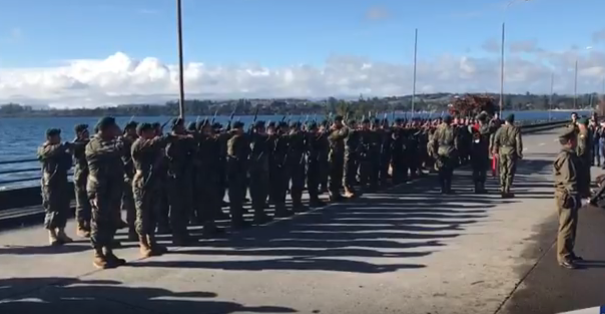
<point x="121" y="79"/>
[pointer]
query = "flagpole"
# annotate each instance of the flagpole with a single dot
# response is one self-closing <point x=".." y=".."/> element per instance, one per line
<point x="180" y="51"/>
<point x="415" y="63"/>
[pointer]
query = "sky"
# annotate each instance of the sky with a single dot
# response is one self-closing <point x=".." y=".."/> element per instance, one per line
<point x="87" y="53"/>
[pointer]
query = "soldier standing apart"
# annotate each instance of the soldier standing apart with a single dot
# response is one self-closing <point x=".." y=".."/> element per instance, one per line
<point x="104" y="186"/>
<point x="55" y="158"/>
<point x="508" y="146"/>
<point x="480" y="153"/>
<point x="444" y="146"/>
<point x="567" y="178"/>
<point x="80" y="177"/>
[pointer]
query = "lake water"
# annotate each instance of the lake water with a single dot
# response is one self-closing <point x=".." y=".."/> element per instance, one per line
<point x="20" y="137"/>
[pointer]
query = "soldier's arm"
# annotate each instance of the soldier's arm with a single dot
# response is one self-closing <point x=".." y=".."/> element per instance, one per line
<point x="50" y="151"/>
<point x="519" y="141"/>
<point x="569" y="176"/>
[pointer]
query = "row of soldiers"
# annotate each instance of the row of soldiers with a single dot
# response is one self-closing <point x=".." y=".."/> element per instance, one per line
<point x="164" y="182"/>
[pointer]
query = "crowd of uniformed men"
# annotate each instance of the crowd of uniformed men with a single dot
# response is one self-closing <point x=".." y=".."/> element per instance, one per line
<point x="165" y="182"/>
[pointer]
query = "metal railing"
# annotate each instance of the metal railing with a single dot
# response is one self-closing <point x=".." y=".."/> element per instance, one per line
<point x="29" y="174"/>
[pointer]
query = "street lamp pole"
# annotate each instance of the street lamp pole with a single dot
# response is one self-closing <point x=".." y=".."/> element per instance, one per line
<point x="179" y="21"/>
<point x="575" y="87"/>
<point x="552" y="84"/>
<point x="415" y="64"/>
<point x="502" y="68"/>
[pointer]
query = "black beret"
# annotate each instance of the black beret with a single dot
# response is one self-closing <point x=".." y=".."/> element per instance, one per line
<point x="217" y="125"/>
<point x="312" y="125"/>
<point x="447" y="119"/>
<point x="376" y="121"/>
<point x="192" y="126"/>
<point x="156" y="125"/>
<point x="177" y="122"/>
<point x="338" y="118"/>
<point x="365" y="121"/>
<point x="271" y="124"/>
<point x="238" y="125"/>
<point x="283" y="125"/>
<point x="259" y="124"/>
<point x="53" y="132"/>
<point x="351" y="121"/>
<point x="81" y="128"/>
<point x="143" y="127"/>
<point x="130" y="125"/>
<point x="105" y="123"/>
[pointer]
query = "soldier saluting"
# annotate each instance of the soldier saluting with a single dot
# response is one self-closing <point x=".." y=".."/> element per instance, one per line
<point x="55" y="158"/>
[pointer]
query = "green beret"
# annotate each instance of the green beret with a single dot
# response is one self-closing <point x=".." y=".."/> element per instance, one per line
<point x="584" y="121"/>
<point x="567" y="133"/>
<point x="144" y="127"/>
<point x="510" y="118"/>
<point x="81" y="128"/>
<point x="105" y="123"/>
<point x="53" y="132"/>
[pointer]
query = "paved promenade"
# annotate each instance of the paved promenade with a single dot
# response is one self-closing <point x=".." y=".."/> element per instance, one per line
<point x="405" y="250"/>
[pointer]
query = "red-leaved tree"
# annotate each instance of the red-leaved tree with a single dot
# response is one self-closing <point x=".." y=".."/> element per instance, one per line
<point x="470" y="105"/>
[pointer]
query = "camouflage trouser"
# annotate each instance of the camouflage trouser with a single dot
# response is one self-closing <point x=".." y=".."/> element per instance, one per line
<point x="236" y="191"/>
<point x="128" y="204"/>
<point x="82" y="203"/>
<point x="568" y="223"/>
<point x="336" y="174"/>
<point x="507" y="168"/>
<point x="297" y="176"/>
<point x="105" y="210"/>
<point x="313" y="179"/>
<point x="176" y="189"/>
<point x="365" y="171"/>
<point x="278" y="185"/>
<point x="259" y="190"/>
<point x="350" y="172"/>
<point x="145" y="201"/>
<point x="55" y="201"/>
<point x="445" y="169"/>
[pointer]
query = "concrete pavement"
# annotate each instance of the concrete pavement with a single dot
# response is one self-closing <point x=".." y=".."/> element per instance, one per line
<point x="405" y="250"/>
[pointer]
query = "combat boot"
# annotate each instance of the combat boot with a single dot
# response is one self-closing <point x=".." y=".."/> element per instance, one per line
<point x="52" y="238"/>
<point x="82" y="230"/>
<point x="113" y="260"/>
<point x="63" y="237"/>
<point x="156" y="249"/>
<point x="99" y="260"/>
<point x="145" y="248"/>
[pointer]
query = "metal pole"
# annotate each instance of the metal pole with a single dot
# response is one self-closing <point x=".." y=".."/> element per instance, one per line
<point x="180" y="44"/>
<point x="575" y="88"/>
<point x="415" y="64"/>
<point x="502" y="70"/>
<point x="552" y="84"/>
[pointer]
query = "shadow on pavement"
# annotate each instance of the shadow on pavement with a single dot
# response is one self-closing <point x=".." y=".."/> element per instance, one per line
<point x="377" y="233"/>
<point x="67" y="296"/>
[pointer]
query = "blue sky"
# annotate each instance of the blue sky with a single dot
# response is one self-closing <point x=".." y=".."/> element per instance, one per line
<point x="282" y="32"/>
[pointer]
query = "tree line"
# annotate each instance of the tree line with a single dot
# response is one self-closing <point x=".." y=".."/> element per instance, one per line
<point x="423" y="102"/>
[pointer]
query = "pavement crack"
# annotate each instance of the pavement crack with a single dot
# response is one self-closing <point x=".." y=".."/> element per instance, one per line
<point x="509" y="296"/>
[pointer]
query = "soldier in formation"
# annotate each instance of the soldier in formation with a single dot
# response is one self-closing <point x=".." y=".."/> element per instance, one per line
<point x="168" y="181"/>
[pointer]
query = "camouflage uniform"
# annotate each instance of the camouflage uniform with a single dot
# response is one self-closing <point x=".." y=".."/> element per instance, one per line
<point x="259" y="173"/>
<point x="509" y="146"/>
<point x="104" y="186"/>
<point x="56" y="162"/>
<point x="444" y="146"/>
<point x="336" y="158"/>
<point x="79" y="178"/>
<point x="127" y="204"/>
<point x="238" y="151"/>
<point x="567" y="178"/>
